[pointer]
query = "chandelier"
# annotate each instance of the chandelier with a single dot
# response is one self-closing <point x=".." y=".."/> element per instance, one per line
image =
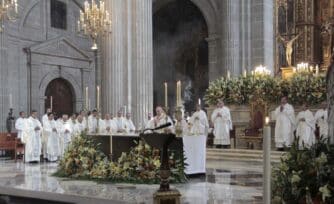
<point x="94" y="20"/>
<point x="8" y="9"/>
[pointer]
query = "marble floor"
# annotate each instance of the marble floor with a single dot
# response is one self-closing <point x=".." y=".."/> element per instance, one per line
<point x="225" y="182"/>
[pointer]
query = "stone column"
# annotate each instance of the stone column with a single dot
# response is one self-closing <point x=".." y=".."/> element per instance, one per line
<point x="112" y="73"/>
<point x="128" y="59"/>
<point x="4" y="93"/>
<point x="214" y="71"/>
<point x="142" y="60"/>
<point x="231" y="38"/>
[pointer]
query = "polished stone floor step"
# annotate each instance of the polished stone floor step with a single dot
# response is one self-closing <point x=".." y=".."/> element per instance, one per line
<point x="241" y="155"/>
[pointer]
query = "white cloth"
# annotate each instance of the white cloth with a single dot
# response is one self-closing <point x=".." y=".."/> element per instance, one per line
<point x="20" y="126"/>
<point x="79" y="128"/>
<point x="285" y="125"/>
<point x="129" y="126"/>
<point x="108" y="124"/>
<point x="221" y="118"/>
<point x="195" y="152"/>
<point x="65" y="130"/>
<point x="158" y="121"/>
<point x="305" y="129"/>
<point x="92" y="124"/>
<point x="120" y="124"/>
<point x="52" y="147"/>
<point x="32" y="140"/>
<point x="199" y="123"/>
<point x="321" y="118"/>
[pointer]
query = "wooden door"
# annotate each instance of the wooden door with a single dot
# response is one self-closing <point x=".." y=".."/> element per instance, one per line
<point x="62" y="97"/>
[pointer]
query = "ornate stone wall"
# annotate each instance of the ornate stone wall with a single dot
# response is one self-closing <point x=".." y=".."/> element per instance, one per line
<point x="33" y="53"/>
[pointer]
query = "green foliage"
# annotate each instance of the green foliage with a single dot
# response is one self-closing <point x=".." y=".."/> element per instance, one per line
<point x="303" y="174"/>
<point x="83" y="160"/>
<point x="300" y="87"/>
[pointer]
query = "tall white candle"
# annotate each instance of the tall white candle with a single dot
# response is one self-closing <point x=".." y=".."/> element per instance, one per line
<point x="245" y="73"/>
<point x="266" y="161"/>
<point x="98" y="98"/>
<point x="51" y="103"/>
<point x="199" y="101"/>
<point x="228" y="74"/>
<point x="166" y="94"/>
<point x="317" y="70"/>
<point x="86" y="98"/>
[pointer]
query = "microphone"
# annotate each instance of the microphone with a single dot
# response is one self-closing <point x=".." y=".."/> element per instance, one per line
<point x="158" y="128"/>
<point x="163" y="126"/>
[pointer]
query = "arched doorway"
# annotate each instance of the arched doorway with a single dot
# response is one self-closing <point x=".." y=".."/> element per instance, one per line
<point x="180" y="53"/>
<point x="62" y="96"/>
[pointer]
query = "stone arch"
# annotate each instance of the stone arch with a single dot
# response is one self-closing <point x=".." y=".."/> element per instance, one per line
<point x="207" y="10"/>
<point x="76" y="90"/>
<point x="27" y="11"/>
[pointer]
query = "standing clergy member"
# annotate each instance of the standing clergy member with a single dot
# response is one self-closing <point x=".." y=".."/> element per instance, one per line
<point x="285" y="124"/>
<point x="129" y="126"/>
<point x="160" y="119"/>
<point x="222" y="122"/>
<point x="181" y="125"/>
<point x="108" y="125"/>
<point x="305" y="127"/>
<point x="44" y="136"/>
<point x="80" y="126"/>
<point x="120" y="122"/>
<point x="321" y="118"/>
<point x="32" y="139"/>
<point x="199" y="122"/>
<point x="65" y="133"/>
<point x="50" y="129"/>
<point x="92" y="122"/>
<point x="21" y="124"/>
<point x="147" y="120"/>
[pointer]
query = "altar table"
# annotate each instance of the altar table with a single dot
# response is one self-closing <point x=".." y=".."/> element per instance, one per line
<point x="195" y="152"/>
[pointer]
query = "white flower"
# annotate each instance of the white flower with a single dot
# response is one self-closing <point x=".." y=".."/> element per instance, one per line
<point x="325" y="192"/>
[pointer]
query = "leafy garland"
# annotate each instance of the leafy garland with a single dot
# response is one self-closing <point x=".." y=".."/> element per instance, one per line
<point x="301" y="87"/>
<point x="305" y="175"/>
<point x="83" y="160"/>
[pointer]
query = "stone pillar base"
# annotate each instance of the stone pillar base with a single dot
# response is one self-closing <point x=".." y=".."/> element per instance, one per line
<point x="167" y="197"/>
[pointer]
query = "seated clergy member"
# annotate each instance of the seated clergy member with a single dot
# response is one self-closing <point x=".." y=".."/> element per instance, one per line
<point x="321" y="119"/>
<point x="120" y="122"/>
<point x="199" y="122"/>
<point x="129" y="126"/>
<point x="21" y="124"/>
<point x="65" y="133"/>
<point x="52" y="147"/>
<point x="305" y="127"/>
<point x="222" y="122"/>
<point x="108" y="125"/>
<point x="160" y="119"/>
<point x="147" y="120"/>
<point x="32" y="138"/>
<point x="92" y="122"/>
<point x="80" y="126"/>
<point x="285" y="124"/>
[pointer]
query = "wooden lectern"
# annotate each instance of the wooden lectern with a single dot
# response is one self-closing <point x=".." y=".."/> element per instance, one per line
<point x="164" y="195"/>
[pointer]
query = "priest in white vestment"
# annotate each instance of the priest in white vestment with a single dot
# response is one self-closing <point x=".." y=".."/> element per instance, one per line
<point x="285" y="124"/>
<point x="65" y="134"/>
<point x="129" y="126"/>
<point x="305" y="127"/>
<point x="181" y="125"/>
<point x="21" y="124"/>
<point x="222" y="122"/>
<point x="32" y="139"/>
<point x="160" y="119"/>
<point x="321" y="118"/>
<point x="199" y="122"/>
<point x="147" y="120"/>
<point x="79" y="127"/>
<point x="44" y="136"/>
<point x="120" y="122"/>
<point x="108" y="126"/>
<point x="50" y="129"/>
<point x="93" y="122"/>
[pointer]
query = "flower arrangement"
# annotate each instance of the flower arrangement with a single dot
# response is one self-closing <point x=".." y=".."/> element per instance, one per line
<point x="305" y="176"/>
<point x="300" y="87"/>
<point x="141" y="165"/>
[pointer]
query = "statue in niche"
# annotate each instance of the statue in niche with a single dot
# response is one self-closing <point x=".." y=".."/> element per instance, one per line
<point x="10" y="121"/>
<point x="288" y="44"/>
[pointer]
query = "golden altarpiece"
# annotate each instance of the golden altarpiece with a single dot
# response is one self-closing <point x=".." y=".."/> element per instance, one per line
<point x="304" y="30"/>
